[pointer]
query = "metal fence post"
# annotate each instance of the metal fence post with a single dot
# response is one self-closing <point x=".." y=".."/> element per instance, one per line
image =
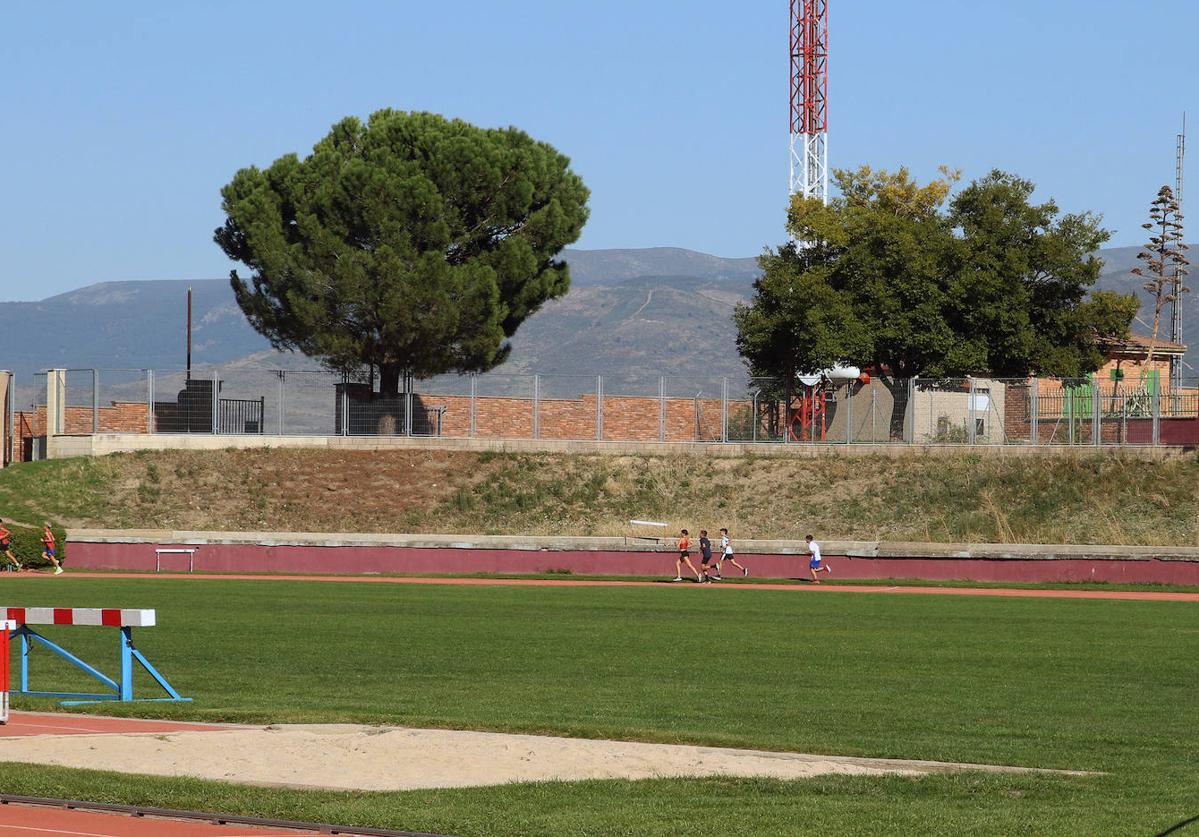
<point x="1096" y="419"/>
<point x="1034" y="411"/>
<point x="345" y="406"/>
<point x="149" y="400"/>
<point x="95" y="400"/>
<point x="536" y="406"/>
<point x="910" y="412"/>
<point x="788" y="386"/>
<point x="216" y="401"/>
<point x="407" y="405"/>
<point x="848" y="412"/>
<point x="474" y="378"/>
<point x="971" y="427"/>
<point x="753" y="416"/>
<point x="1156" y="404"/>
<point x="661" y="409"/>
<point x="724" y="409"/>
<point x="1069" y="394"/>
<point x="281" y="375"/>
<point x="598" y="408"/>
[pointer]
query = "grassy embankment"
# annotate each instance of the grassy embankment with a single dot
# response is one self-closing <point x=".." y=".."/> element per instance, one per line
<point x="967" y="497"/>
<point x="1091" y="685"/>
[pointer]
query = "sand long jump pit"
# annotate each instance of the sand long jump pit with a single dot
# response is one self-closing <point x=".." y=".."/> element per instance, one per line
<point x="356" y="757"/>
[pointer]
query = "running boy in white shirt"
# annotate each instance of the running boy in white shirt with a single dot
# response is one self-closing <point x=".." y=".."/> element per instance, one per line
<point x="815" y="565"/>
<point x="726" y="554"/>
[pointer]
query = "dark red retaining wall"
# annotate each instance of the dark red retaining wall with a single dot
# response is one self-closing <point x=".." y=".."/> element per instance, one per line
<point x="399" y="559"/>
<point x="1172" y="431"/>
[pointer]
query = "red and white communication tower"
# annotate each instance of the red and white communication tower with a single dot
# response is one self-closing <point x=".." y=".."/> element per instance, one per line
<point x="809" y="98"/>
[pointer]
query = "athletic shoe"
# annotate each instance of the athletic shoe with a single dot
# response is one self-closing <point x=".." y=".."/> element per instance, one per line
<point x="745" y="571"/>
<point x="58" y="570"/>
<point x="678" y="578"/>
<point x="699" y="579"/>
<point x="719" y="578"/>
<point x="828" y="569"/>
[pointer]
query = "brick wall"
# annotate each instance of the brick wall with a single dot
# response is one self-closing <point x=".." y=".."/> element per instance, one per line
<point x="625" y="418"/>
<point x="118" y="417"/>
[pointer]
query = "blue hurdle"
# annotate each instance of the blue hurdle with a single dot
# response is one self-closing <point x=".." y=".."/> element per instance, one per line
<point x="125" y="620"/>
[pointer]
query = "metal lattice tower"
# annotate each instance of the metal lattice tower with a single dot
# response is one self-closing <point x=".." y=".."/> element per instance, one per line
<point x="809" y="99"/>
<point x="1176" y="324"/>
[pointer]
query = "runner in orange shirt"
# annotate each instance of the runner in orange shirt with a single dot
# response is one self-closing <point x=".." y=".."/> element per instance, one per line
<point x="48" y="548"/>
<point x="685" y="558"/>
<point x="6" y="547"/>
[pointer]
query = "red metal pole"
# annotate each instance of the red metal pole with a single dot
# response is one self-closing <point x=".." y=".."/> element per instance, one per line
<point x="4" y="628"/>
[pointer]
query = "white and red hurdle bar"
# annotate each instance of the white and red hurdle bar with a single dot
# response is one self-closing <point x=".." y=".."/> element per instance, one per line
<point x="123" y="619"/>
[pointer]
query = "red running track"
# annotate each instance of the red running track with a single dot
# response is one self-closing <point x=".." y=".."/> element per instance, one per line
<point x="39" y="821"/>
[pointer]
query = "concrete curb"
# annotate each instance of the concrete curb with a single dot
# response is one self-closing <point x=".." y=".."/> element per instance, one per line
<point x="101" y="444"/>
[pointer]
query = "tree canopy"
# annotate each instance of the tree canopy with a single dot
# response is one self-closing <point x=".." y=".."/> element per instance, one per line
<point x="897" y="276"/>
<point x="411" y="243"/>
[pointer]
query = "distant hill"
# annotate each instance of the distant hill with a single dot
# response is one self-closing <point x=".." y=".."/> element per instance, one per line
<point x="592" y="267"/>
<point x="601" y="326"/>
<point x="644" y="326"/>
<point x="125" y="325"/>
<point x="636" y="313"/>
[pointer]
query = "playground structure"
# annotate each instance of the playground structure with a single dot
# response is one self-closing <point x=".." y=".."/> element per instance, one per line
<point x="124" y="620"/>
<point x="808" y="405"/>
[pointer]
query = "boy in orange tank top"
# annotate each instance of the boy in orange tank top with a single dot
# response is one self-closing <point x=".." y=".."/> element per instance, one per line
<point x="48" y="548"/>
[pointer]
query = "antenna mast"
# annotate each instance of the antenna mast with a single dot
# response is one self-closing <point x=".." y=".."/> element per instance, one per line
<point x="1176" y="324"/>
<point x="809" y="99"/>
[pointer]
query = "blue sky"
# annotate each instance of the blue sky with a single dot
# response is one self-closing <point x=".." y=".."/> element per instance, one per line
<point x="123" y="120"/>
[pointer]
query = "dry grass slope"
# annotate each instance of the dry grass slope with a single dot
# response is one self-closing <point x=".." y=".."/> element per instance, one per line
<point x="963" y="498"/>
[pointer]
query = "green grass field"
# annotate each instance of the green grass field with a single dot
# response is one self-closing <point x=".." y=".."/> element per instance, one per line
<point x="1090" y="685"/>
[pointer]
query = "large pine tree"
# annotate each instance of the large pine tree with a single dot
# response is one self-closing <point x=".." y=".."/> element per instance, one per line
<point x="412" y="244"/>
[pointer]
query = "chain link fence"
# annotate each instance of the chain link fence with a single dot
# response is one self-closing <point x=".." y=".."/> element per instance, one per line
<point x="856" y="411"/>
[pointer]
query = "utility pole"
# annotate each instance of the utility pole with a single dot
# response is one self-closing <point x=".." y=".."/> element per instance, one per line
<point x="809" y="99"/>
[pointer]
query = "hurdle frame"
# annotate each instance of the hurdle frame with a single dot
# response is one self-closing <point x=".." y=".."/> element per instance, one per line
<point x="190" y="552"/>
<point x="121" y="689"/>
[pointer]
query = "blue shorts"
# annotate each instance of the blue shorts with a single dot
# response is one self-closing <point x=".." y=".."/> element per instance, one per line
<point x="49" y="552"/>
<point x="814" y="564"/>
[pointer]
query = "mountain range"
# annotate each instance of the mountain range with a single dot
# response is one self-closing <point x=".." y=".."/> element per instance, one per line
<point x="637" y="313"/>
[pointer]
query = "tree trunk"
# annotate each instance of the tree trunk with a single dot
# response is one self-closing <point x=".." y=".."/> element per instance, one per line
<point x="898" y="388"/>
<point x="389" y="380"/>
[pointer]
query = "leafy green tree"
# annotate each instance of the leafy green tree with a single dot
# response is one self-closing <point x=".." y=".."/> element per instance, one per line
<point x="894" y="276"/>
<point x="412" y="244"/>
<point x="1023" y="278"/>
